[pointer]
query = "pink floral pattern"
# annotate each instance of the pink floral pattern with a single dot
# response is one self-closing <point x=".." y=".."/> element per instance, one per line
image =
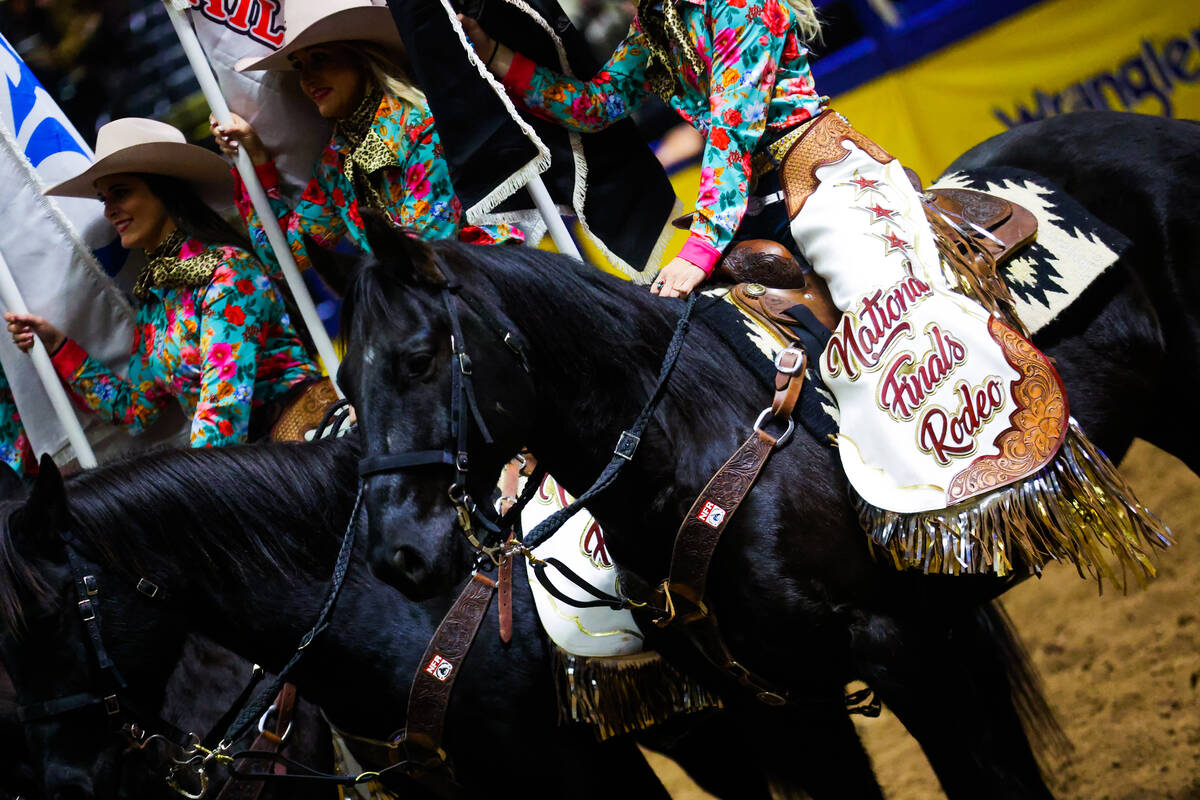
<point x="218" y="350"/>
<point x="758" y="79"/>
<point x="417" y="192"/>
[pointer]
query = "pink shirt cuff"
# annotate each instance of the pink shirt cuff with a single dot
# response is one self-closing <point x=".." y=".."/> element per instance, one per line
<point x="68" y="359"/>
<point x="519" y="74"/>
<point x="700" y="252"/>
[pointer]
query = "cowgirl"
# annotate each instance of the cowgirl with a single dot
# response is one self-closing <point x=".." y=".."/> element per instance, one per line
<point x="954" y="430"/>
<point x="211" y="330"/>
<point x="384" y="154"/>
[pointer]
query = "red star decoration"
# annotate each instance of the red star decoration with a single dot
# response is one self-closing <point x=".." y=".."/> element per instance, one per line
<point x="880" y="212"/>
<point x="894" y="242"/>
<point x="864" y="183"/>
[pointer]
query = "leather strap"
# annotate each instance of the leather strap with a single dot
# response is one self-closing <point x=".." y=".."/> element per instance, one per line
<point x="429" y="699"/>
<point x="267" y="741"/>
<point x="680" y="598"/>
<point x="508" y="488"/>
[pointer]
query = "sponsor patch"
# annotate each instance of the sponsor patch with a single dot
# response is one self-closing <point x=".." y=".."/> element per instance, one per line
<point x="439" y="668"/>
<point x="711" y="514"/>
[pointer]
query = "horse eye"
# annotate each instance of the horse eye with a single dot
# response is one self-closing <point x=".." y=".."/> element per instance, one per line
<point x="419" y="364"/>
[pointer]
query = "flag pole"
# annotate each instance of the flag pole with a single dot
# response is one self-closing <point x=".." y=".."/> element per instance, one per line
<point x="11" y="297"/>
<point x="554" y="224"/>
<point x="258" y="196"/>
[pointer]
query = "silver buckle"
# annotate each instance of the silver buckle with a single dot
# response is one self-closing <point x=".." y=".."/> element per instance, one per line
<point x="787" y="434"/>
<point x="794" y="368"/>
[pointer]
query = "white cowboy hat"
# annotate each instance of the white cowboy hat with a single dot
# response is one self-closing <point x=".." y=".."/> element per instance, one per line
<point x="134" y="144"/>
<point x="310" y="22"/>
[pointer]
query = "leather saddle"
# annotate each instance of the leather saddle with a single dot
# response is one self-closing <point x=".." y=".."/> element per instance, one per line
<point x="769" y="280"/>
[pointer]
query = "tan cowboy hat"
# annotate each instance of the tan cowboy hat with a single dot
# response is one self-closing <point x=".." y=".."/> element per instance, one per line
<point x="309" y="22"/>
<point x="134" y="144"/>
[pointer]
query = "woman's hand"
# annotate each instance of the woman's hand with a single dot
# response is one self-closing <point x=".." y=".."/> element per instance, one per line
<point x="496" y="56"/>
<point x="24" y="327"/>
<point x="239" y="134"/>
<point x="677" y="279"/>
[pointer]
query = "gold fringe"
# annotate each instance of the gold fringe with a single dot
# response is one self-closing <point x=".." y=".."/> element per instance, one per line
<point x="1077" y="509"/>
<point x="621" y="694"/>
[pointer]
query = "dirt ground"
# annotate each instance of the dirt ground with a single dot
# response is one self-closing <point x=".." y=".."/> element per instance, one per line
<point x="1121" y="671"/>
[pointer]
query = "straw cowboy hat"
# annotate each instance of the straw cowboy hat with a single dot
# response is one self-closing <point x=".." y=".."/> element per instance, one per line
<point x="134" y="144"/>
<point x="309" y="22"/>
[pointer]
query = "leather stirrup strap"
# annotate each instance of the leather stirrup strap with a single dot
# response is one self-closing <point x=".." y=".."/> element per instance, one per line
<point x="508" y="488"/>
<point x="268" y="741"/>
<point x="429" y="699"/>
<point x="681" y="596"/>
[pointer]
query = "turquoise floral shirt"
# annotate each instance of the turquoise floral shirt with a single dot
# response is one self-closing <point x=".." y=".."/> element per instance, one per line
<point x="219" y="350"/>
<point x="757" y="77"/>
<point x="14" y="444"/>
<point x="414" y="186"/>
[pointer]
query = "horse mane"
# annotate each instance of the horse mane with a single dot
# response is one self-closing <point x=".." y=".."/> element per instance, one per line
<point x="225" y="514"/>
<point x="527" y="281"/>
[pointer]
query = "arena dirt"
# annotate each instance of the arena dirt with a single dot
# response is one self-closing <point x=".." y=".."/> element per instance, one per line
<point x="1122" y="672"/>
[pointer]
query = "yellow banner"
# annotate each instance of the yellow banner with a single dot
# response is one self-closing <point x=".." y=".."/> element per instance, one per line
<point x="1056" y="57"/>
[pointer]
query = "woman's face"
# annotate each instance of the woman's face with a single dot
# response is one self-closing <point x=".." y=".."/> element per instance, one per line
<point x="331" y="78"/>
<point x="138" y="215"/>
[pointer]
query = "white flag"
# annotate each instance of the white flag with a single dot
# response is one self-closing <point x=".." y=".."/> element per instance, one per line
<point x="286" y="120"/>
<point x="54" y="248"/>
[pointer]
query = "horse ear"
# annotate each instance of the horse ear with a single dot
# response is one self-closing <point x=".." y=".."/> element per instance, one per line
<point x="47" y="503"/>
<point x="405" y="255"/>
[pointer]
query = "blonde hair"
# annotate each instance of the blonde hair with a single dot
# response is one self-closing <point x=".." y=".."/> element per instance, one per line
<point x="387" y="71"/>
<point x="806" y="17"/>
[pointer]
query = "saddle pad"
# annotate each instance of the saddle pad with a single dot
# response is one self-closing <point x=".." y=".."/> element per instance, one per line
<point x="1073" y="249"/>
<point x="580" y="545"/>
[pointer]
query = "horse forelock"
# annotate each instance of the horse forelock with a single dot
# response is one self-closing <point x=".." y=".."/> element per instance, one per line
<point x="218" y="514"/>
<point x="19" y="582"/>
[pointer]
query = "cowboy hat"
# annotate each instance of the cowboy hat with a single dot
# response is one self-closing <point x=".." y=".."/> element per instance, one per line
<point x="310" y="22"/>
<point x="134" y="144"/>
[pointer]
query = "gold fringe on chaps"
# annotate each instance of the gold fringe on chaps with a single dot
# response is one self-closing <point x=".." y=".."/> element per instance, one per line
<point x="1076" y="509"/>
<point x="621" y="694"/>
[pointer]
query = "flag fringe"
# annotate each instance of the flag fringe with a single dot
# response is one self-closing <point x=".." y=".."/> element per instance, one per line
<point x="1076" y="509"/>
<point x="622" y="694"/>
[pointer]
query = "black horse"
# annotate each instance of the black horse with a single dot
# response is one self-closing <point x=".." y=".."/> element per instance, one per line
<point x="800" y="598"/>
<point x="241" y="542"/>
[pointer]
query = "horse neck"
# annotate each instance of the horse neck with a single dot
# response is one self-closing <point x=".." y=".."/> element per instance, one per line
<point x="596" y="356"/>
<point x="368" y="636"/>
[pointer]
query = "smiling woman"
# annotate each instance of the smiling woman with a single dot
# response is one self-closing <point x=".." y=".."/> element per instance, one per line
<point x="212" y="331"/>
<point x="385" y="153"/>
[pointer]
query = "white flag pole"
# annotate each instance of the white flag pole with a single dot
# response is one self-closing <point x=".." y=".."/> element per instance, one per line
<point x="554" y="224"/>
<point x="12" y="299"/>
<point x="258" y="196"/>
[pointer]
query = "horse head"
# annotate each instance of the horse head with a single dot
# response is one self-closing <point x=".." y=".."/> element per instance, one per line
<point x="70" y="703"/>
<point x="405" y="370"/>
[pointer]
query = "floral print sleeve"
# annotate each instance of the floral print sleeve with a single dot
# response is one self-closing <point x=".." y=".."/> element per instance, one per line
<point x="316" y="216"/>
<point x="132" y="403"/>
<point x="747" y="43"/>
<point x="611" y="95"/>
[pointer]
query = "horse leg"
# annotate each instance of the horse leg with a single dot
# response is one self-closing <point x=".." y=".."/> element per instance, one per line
<point x="578" y="766"/>
<point x="953" y="688"/>
<point x="813" y="748"/>
<point x="748" y="750"/>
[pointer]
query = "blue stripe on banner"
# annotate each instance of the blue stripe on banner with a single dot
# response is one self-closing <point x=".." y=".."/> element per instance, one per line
<point x="112" y="257"/>
<point x="53" y="133"/>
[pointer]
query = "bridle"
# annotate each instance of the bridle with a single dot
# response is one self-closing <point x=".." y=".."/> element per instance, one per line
<point x="107" y="687"/>
<point x="494" y="544"/>
<point x="483" y="528"/>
